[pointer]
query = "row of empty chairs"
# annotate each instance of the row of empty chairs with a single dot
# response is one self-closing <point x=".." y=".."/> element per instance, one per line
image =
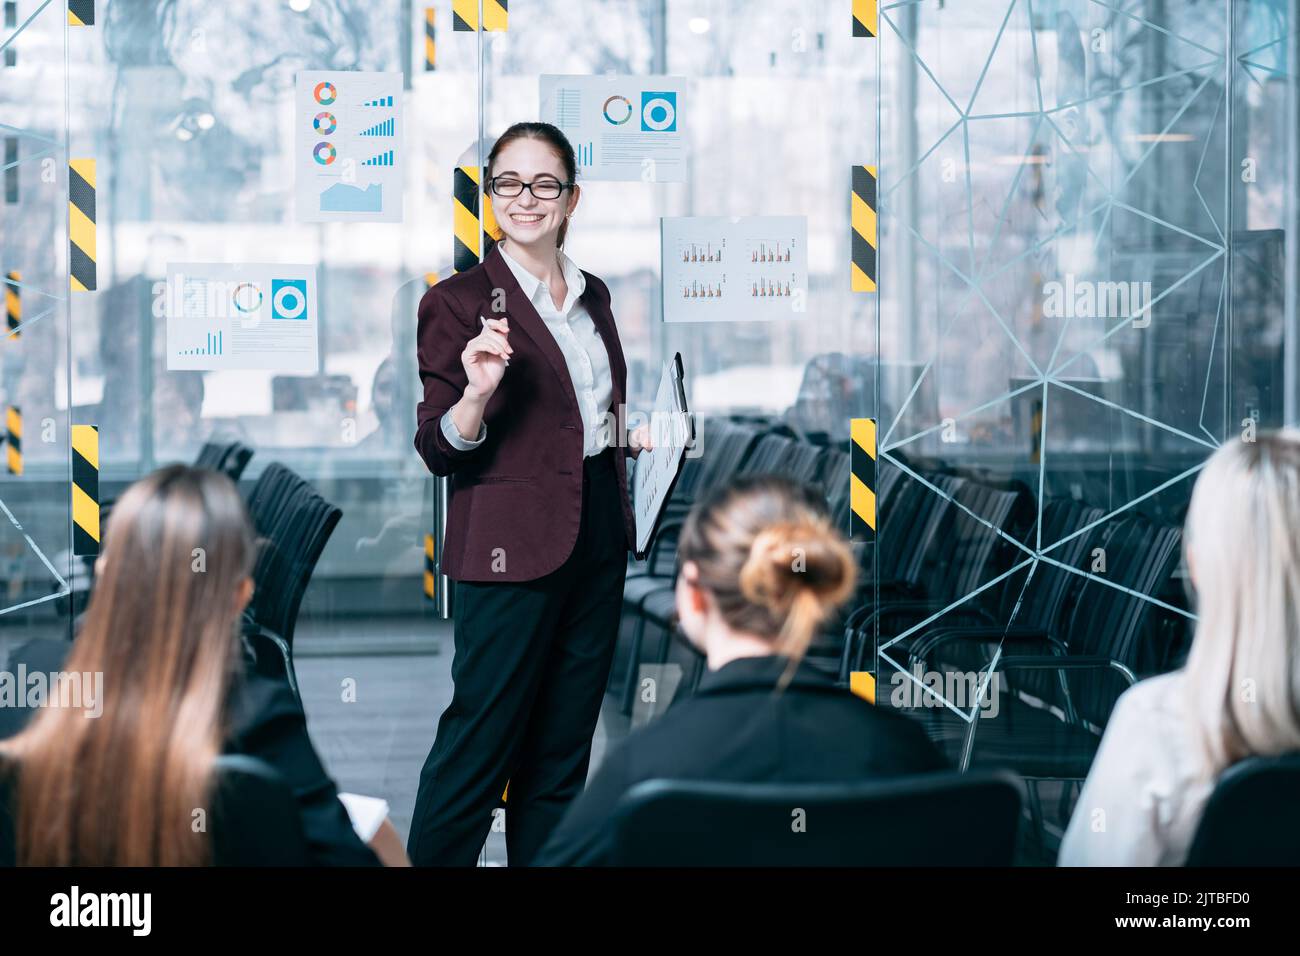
<point x="940" y="590"/>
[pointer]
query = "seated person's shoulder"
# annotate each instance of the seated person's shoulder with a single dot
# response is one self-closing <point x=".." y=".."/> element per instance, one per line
<point x="258" y="702"/>
<point x="896" y="736"/>
<point x="1154" y="718"/>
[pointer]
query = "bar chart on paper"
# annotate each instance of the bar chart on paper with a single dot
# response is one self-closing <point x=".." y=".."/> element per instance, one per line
<point x="214" y="346"/>
<point x="350" y="155"/>
<point x="742" y="269"/>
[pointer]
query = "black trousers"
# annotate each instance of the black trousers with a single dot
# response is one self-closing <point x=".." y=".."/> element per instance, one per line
<point x="530" y="667"/>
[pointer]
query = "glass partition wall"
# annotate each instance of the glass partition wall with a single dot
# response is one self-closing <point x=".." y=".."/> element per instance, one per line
<point x="1086" y="282"/>
<point x="40" y="573"/>
<point x="1087" y="253"/>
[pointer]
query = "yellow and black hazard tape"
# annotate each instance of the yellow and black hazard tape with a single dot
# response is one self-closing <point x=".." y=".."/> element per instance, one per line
<point x="466" y="193"/>
<point x="430" y="44"/>
<point x="862" y="478"/>
<point x="866" y="18"/>
<point x="85" y="489"/>
<point x="863" y="684"/>
<point x="430" y="569"/>
<point x="14" y="439"/>
<point x="81" y="223"/>
<point x="863" y="241"/>
<point x="464" y="15"/>
<point x="81" y="13"/>
<point x="13" y="302"/>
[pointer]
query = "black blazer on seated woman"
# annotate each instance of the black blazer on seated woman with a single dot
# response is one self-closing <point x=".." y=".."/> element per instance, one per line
<point x="265" y="721"/>
<point x="735" y="729"/>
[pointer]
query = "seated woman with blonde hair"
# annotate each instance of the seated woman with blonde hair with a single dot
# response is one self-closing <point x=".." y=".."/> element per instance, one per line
<point x="761" y="570"/>
<point x="122" y="784"/>
<point x="1171" y="737"/>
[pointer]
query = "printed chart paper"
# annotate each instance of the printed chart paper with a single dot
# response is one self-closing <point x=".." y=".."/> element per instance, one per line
<point x="656" y="470"/>
<point x="626" y="128"/>
<point x="722" y="269"/>
<point x="348" y="153"/>
<point x="241" y="316"/>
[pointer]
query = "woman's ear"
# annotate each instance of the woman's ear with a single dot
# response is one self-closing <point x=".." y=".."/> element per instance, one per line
<point x="698" y="602"/>
<point x="243" y="594"/>
<point x="574" y="195"/>
<point x="692" y="603"/>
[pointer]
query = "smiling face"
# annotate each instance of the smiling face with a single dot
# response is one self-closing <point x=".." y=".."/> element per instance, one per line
<point x="525" y="219"/>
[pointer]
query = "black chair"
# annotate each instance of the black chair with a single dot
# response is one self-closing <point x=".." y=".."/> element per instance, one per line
<point x="294" y="523"/>
<point x="962" y="545"/>
<point x="1059" y="681"/>
<point x="939" y="819"/>
<point x="1250" y="818"/>
<point x="229" y="458"/>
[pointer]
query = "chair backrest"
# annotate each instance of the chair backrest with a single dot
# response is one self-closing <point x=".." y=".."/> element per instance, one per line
<point x="1250" y="818"/>
<point x="769" y="455"/>
<point x="236" y="460"/>
<point x="230" y="458"/>
<point x="256" y="820"/>
<point x="1110" y="618"/>
<point x="935" y="513"/>
<point x="1043" y="602"/>
<point x="725" y="447"/>
<point x="295" y="523"/>
<point x="971" y="552"/>
<point x="939" y="819"/>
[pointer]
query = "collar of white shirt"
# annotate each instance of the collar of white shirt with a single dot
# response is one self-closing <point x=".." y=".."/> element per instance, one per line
<point x="533" y="286"/>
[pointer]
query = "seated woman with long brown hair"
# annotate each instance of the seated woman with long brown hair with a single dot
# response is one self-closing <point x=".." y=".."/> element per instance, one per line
<point x="121" y="786"/>
<point x="761" y="570"/>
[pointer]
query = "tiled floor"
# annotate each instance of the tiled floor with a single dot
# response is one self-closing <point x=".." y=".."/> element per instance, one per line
<point x="377" y="743"/>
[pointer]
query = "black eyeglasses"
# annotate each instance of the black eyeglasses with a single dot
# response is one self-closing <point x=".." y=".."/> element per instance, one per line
<point x="507" y="187"/>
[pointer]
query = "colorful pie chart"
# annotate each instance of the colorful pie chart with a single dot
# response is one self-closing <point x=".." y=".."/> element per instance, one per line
<point x="325" y="123"/>
<point x="624" y="110"/>
<point x="324" y="153"/>
<point x="326" y="93"/>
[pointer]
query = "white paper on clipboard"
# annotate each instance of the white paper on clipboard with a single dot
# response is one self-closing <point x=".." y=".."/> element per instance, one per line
<point x="657" y="469"/>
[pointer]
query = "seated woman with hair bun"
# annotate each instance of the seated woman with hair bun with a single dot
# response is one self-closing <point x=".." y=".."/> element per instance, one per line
<point x="761" y="569"/>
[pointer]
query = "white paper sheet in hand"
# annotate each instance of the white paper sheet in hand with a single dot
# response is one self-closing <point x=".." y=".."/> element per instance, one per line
<point x="366" y="813"/>
<point x="657" y="468"/>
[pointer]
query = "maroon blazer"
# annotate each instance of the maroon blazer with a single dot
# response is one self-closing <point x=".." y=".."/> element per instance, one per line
<point x="516" y="500"/>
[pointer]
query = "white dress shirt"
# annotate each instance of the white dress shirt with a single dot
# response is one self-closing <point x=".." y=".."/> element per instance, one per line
<point x="1148" y="784"/>
<point x="584" y="354"/>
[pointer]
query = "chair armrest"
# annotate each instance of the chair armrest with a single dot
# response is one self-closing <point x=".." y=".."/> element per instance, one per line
<point x="920" y="609"/>
<point x="899" y="589"/>
<point x="935" y="639"/>
<point x="855" y="634"/>
<point x="1076" y="662"/>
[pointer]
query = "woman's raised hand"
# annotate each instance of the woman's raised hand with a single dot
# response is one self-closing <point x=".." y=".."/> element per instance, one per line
<point x="485" y="358"/>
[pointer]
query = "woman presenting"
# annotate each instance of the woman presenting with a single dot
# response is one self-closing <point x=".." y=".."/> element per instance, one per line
<point x="524" y="380"/>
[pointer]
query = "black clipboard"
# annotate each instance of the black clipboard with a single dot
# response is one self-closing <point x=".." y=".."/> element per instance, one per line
<point x="666" y="474"/>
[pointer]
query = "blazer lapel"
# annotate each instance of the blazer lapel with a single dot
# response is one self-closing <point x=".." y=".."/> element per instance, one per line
<point x="603" y="319"/>
<point x="523" y="315"/>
